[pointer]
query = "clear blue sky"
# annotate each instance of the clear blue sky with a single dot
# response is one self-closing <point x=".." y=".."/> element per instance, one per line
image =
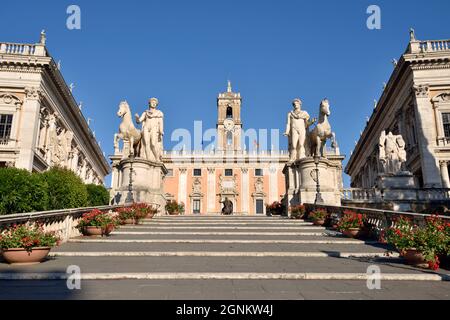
<point x="184" y="51"/>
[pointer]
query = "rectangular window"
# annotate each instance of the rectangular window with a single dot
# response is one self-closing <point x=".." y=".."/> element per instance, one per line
<point x="169" y="173"/>
<point x="259" y="206"/>
<point x="446" y="123"/>
<point x="5" y="126"/>
<point x="197" y="172"/>
<point x="258" y="172"/>
<point x="196" y="206"/>
<point x="228" y="172"/>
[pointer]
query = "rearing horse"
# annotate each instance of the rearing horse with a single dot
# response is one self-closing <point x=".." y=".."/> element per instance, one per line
<point x="127" y="131"/>
<point x="322" y="131"/>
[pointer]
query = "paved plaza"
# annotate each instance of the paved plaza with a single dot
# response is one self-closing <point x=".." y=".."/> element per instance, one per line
<point x="222" y="257"/>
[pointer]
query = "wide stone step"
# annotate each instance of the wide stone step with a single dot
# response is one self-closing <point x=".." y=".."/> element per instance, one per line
<point x="240" y="247"/>
<point x="250" y="265"/>
<point x="219" y="228"/>
<point x="219" y="233"/>
<point x="173" y="239"/>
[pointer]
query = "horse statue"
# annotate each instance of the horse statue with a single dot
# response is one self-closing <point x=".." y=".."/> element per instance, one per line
<point x="322" y="131"/>
<point x="127" y="130"/>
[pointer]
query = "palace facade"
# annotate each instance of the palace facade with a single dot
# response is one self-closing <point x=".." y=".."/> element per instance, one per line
<point x="416" y="105"/>
<point x="203" y="179"/>
<point x="41" y="125"/>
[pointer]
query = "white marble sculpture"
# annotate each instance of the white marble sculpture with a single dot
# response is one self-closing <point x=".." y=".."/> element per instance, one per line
<point x="127" y="131"/>
<point x="152" y="131"/>
<point x="322" y="131"/>
<point x="296" y="130"/>
<point x="392" y="154"/>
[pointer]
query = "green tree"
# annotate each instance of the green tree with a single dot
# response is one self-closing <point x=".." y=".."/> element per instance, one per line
<point x="97" y="195"/>
<point x="22" y="191"/>
<point x="65" y="189"/>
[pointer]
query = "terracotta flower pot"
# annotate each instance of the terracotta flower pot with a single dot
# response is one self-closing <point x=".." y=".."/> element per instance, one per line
<point x="352" y="232"/>
<point x="21" y="256"/>
<point x="91" y="231"/>
<point x="415" y="258"/>
<point x="319" y="222"/>
<point x="108" y="229"/>
<point x="129" y="221"/>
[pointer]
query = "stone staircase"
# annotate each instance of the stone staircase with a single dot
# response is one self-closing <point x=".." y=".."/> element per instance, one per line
<point x="222" y="257"/>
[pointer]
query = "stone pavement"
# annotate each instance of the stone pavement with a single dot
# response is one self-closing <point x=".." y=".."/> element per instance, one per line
<point x="218" y="257"/>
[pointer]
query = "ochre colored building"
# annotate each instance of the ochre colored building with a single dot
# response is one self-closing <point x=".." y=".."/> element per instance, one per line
<point x="202" y="179"/>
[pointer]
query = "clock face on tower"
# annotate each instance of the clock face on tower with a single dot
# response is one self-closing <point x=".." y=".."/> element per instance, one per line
<point x="228" y="124"/>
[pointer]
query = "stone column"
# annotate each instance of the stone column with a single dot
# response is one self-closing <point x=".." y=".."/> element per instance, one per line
<point x="29" y="131"/>
<point x="182" y="186"/>
<point x="273" y="184"/>
<point x="444" y="174"/>
<point x="426" y="140"/>
<point x="211" y="190"/>
<point x="245" y="191"/>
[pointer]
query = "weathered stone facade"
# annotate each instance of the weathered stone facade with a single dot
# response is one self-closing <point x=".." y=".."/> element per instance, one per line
<point x="41" y="124"/>
<point x="415" y="104"/>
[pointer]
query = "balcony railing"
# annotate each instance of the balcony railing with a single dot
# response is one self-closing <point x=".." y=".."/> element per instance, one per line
<point x="376" y="195"/>
<point x="430" y="46"/>
<point x="22" y="49"/>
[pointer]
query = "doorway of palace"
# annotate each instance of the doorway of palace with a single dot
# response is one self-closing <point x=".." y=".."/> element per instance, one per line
<point x="259" y="206"/>
<point x="196" y="206"/>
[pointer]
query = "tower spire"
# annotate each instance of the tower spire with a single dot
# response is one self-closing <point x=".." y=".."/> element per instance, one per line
<point x="229" y="86"/>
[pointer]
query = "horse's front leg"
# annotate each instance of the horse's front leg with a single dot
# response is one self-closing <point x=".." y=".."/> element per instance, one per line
<point x="318" y="146"/>
<point x="131" y="141"/>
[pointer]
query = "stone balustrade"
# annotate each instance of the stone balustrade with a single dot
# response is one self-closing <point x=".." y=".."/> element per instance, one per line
<point x="7" y="143"/>
<point x="430" y="46"/>
<point x="221" y="153"/>
<point x="376" y="218"/>
<point x="22" y="49"/>
<point x="63" y="222"/>
<point x="377" y="195"/>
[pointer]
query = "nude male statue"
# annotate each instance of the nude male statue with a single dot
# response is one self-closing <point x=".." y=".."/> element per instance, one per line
<point x="296" y="127"/>
<point x="152" y="131"/>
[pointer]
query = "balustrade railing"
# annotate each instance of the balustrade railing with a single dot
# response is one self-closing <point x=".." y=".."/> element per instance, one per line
<point x="22" y="49"/>
<point x="376" y="195"/>
<point x="63" y="222"/>
<point x="376" y="218"/>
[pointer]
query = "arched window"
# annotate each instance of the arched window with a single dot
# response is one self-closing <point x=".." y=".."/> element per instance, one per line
<point x="229" y="112"/>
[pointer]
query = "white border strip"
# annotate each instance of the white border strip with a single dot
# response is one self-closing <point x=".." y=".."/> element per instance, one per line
<point x="276" y="241"/>
<point x="194" y="233"/>
<point x="224" y="254"/>
<point x="226" y="276"/>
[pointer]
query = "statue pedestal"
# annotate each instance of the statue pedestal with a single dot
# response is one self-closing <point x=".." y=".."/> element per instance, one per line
<point x="301" y="185"/>
<point x="399" y="189"/>
<point x="147" y="182"/>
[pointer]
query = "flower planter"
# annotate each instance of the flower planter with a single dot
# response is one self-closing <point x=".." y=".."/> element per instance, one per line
<point x="22" y="256"/>
<point x="108" y="229"/>
<point x="319" y="222"/>
<point x="91" y="231"/>
<point x="352" y="232"/>
<point x="129" y="221"/>
<point x="415" y="258"/>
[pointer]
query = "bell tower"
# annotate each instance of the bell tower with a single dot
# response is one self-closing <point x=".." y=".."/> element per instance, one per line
<point x="229" y="123"/>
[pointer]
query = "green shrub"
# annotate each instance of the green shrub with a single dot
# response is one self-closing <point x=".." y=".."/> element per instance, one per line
<point x="22" y="191"/>
<point x="65" y="189"/>
<point x="97" y="195"/>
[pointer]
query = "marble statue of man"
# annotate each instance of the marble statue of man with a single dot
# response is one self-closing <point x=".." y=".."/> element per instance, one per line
<point x="152" y="131"/>
<point x="392" y="153"/>
<point x="297" y="124"/>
